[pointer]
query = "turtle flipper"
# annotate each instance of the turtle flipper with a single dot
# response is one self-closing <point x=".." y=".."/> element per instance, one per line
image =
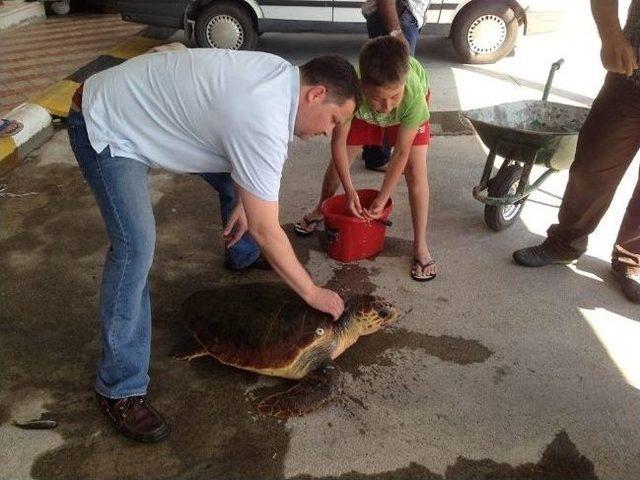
<point x="310" y="394"/>
<point x="189" y="351"/>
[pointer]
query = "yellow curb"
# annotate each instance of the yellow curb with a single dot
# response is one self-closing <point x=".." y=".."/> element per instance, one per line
<point x="57" y="98"/>
<point x="9" y="157"/>
<point x="134" y="46"/>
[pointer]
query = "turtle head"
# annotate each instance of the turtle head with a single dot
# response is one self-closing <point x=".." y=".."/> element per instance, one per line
<point x="370" y="313"/>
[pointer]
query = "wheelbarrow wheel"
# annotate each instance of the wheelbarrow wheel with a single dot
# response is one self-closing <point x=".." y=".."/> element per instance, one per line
<point x="499" y="217"/>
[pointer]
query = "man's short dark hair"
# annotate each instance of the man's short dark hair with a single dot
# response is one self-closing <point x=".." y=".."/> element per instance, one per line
<point x="336" y="74"/>
<point x="384" y="61"/>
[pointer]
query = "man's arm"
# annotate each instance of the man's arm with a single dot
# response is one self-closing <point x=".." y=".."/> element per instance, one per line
<point x="617" y="54"/>
<point x="264" y="226"/>
<point x="389" y="15"/>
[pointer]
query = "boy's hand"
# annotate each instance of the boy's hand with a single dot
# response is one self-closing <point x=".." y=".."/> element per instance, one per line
<point x="376" y="208"/>
<point x="355" y="208"/>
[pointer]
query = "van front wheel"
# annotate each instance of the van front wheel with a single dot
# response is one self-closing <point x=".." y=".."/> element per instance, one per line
<point x="225" y="25"/>
<point x="485" y="32"/>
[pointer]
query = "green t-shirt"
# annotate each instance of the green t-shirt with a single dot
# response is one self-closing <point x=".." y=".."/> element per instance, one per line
<point x="412" y="111"/>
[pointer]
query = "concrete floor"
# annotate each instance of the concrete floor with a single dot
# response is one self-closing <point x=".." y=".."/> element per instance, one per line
<point x="493" y="370"/>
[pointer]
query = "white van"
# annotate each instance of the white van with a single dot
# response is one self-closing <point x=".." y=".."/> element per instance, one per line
<point x="482" y="31"/>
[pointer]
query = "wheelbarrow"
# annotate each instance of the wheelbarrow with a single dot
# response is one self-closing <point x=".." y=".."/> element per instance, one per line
<point x="523" y="133"/>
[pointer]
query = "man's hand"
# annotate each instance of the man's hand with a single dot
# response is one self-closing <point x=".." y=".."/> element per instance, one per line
<point x="236" y="226"/>
<point x="326" y="301"/>
<point x="618" y="56"/>
<point x="267" y="232"/>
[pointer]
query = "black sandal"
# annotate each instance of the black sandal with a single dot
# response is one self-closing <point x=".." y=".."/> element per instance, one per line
<point x="307" y="226"/>
<point x="418" y="267"/>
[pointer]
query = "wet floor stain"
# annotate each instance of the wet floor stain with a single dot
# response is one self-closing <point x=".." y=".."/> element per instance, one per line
<point x="413" y="472"/>
<point x="372" y="350"/>
<point x="52" y="344"/>
<point x="560" y="460"/>
<point x="352" y="279"/>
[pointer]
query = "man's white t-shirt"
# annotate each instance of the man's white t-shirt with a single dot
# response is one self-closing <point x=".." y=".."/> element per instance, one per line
<point x="198" y="110"/>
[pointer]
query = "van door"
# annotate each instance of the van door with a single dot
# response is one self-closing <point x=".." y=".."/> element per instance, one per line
<point x="297" y="10"/>
<point x="433" y="12"/>
<point x="165" y="13"/>
<point x="348" y="12"/>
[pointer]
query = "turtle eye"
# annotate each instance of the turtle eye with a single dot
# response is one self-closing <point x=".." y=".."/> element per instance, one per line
<point x="319" y="331"/>
<point x="383" y="313"/>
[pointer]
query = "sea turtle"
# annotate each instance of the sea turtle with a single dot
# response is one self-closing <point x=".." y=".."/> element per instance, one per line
<point x="266" y="328"/>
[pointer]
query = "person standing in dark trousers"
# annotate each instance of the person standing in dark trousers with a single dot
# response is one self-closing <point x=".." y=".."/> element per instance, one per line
<point x="402" y="18"/>
<point x="607" y="144"/>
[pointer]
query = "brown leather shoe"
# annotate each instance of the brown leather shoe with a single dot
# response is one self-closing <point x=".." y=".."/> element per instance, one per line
<point x="134" y="418"/>
<point x="630" y="284"/>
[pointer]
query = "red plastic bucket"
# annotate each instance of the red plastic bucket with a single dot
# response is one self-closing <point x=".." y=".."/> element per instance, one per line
<point x="350" y="238"/>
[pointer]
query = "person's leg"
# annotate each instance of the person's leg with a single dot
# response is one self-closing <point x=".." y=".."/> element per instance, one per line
<point x="120" y="187"/>
<point x="410" y="30"/>
<point x="246" y="251"/>
<point x="424" y="268"/>
<point x="607" y="143"/>
<point x="625" y="258"/>
<point x="626" y="252"/>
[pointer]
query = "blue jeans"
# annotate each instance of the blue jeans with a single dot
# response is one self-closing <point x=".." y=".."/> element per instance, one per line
<point x="246" y="250"/>
<point x="120" y="187"/>
<point x="374" y="156"/>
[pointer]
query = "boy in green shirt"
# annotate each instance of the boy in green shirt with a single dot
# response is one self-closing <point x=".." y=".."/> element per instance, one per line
<point x="394" y="108"/>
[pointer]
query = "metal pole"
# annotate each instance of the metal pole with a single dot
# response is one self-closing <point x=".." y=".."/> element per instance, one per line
<point x="547" y="88"/>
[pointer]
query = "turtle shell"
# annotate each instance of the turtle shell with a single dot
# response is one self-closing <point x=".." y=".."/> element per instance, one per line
<point x="263" y="327"/>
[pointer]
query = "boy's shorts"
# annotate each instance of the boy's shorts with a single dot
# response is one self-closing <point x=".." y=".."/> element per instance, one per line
<point x="363" y="133"/>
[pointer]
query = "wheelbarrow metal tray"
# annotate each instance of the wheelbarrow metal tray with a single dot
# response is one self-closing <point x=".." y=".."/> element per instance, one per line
<point x="542" y="131"/>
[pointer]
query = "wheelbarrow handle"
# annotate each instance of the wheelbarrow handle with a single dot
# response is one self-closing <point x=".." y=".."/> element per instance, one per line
<point x="547" y="88"/>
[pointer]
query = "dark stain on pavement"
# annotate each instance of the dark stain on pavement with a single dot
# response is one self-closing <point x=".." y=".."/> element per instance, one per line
<point x="560" y="460"/>
<point x="59" y="199"/>
<point x="350" y="278"/>
<point x="371" y="350"/>
<point x="413" y="472"/>
<point x="52" y="344"/>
